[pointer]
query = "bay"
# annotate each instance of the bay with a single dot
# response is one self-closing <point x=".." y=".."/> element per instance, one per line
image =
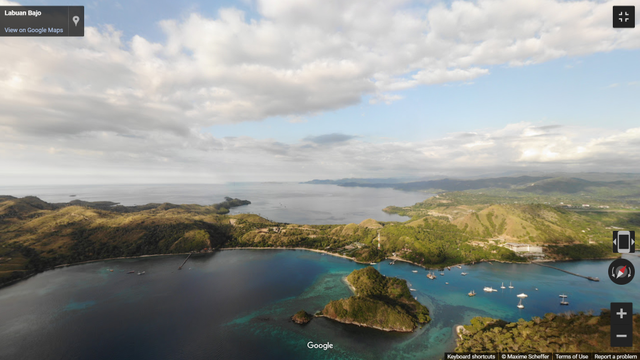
<point x="236" y="304"/>
<point x="314" y="204"/>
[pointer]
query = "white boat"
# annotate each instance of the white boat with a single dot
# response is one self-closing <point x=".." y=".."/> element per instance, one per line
<point x="563" y="296"/>
<point x="141" y="273"/>
<point x="536" y="289"/>
<point x="520" y="306"/>
<point x="446" y="283"/>
<point x="463" y="273"/>
<point x="489" y="289"/>
<point x="412" y="289"/>
<point x="415" y="297"/>
<point x="459" y="266"/>
<point x="523" y="295"/>
<point x="415" y="271"/>
<point x="564" y="300"/>
<point x="372" y="263"/>
<point x="441" y="274"/>
<point x="510" y="286"/>
<point x="502" y="286"/>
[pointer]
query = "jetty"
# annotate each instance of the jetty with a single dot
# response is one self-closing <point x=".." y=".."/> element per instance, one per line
<point x="185" y="261"/>
<point x="568" y="272"/>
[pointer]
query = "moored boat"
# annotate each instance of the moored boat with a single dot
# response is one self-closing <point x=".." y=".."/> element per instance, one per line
<point x="472" y="293"/>
<point x="520" y="306"/>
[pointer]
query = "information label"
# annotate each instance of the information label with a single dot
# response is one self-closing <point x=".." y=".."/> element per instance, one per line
<point x="41" y="20"/>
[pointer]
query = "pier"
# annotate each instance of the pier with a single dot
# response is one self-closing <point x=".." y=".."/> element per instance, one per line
<point x="568" y="272"/>
<point x="185" y="261"/>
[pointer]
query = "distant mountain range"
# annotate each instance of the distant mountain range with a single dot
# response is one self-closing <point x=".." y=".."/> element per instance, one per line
<point x="534" y="184"/>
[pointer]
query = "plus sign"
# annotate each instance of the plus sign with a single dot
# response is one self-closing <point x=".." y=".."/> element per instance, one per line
<point x="621" y="313"/>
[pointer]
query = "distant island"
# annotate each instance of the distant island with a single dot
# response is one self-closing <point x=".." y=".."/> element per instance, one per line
<point x="552" y="333"/>
<point x="379" y="302"/>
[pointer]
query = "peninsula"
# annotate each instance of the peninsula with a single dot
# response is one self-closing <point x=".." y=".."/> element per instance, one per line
<point x="379" y="302"/>
<point x="566" y="332"/>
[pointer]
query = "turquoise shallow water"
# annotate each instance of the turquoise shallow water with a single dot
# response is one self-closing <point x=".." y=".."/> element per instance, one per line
<point x="236" y="305"/>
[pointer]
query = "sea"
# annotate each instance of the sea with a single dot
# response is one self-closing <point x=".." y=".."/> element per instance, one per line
<point x="296" y="203"/>
<point x="237" y="304"/>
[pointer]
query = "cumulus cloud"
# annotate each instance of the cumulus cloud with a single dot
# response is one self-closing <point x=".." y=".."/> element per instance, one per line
<point x="109" y="102"/>
<point x="298" y="58"/>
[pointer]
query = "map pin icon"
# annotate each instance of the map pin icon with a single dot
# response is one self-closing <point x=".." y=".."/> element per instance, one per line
<point x="76" y="19"/>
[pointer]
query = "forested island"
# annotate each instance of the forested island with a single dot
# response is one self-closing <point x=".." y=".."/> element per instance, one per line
<point x="379" y="302"/>
<point x="566" y="332"/>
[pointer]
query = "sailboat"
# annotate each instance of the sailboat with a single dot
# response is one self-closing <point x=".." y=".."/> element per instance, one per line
<point x="510" y="286"/>
<point x="564" y="300"/>
<point x="502" y="286"/>
<point x="463" y="273"/>
<point x="520" y="306"/>
<point x="441" y="273"/>
<point x="472" y="293"/>
<point x="522" y="296"/>
<point x="415" y="271"/>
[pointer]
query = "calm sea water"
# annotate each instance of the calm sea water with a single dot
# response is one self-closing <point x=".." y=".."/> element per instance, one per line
<point x="285" y="202"/>
<point x="236" y="305"/>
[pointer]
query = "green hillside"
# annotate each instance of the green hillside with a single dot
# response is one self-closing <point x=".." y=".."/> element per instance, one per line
<point x="552" y="333"/>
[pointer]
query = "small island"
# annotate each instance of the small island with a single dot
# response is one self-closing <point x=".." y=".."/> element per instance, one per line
<point x="301" y="317"/>
<point x="379" y="302"/>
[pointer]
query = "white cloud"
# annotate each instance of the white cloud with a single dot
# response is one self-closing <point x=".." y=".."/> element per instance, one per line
<point x="299" y="58"/>
<point x="106" y="102"/>
<point x="159" y="156"/>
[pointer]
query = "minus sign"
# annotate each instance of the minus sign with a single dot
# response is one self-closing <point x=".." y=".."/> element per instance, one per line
<point x="621" y="335"/>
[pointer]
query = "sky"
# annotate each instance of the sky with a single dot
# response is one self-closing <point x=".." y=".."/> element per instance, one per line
<point x="284" y="90"/>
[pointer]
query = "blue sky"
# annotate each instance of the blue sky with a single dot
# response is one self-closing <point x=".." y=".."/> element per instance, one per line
<point x="571" y="91"/>
<point x="166" y="91"/>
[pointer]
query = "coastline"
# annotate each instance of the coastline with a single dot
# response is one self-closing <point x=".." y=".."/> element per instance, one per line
<point x="346" y="281"/>
<point x="118" y="258"/>
<point x="363" y="325"/>
<point x="294" y="248"/>
<point x="2" y="285"/>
